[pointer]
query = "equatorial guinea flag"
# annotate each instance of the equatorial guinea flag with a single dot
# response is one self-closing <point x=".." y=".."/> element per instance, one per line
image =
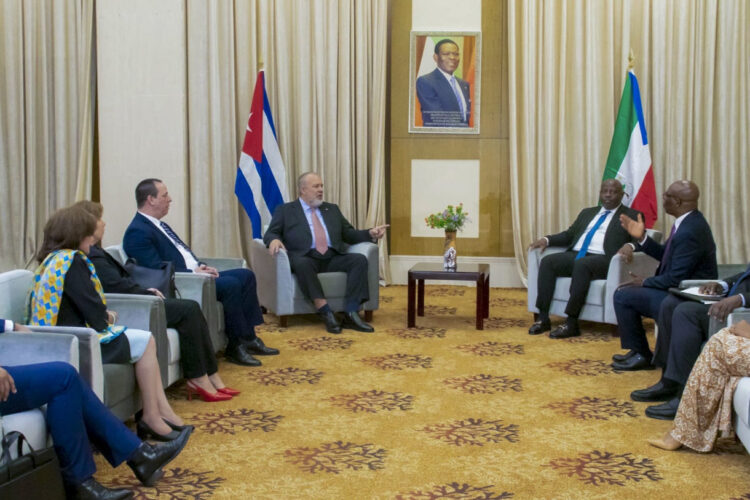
<point x="629" y="159"/>
<point x="261" y="178"/>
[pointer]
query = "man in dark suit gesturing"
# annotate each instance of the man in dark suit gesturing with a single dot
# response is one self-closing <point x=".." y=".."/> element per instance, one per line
<point x="313" y="233"/>
<point x="592" y="240"/>
<point x="689" y="253"/>
<point x="683" y="328"/>
<point x="444" y="99"/>
<point x="150" y="241"/>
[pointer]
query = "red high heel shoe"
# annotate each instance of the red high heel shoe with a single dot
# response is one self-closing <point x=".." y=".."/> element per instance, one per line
<point x="229" y="390"/>
<point x="205" y="395"/>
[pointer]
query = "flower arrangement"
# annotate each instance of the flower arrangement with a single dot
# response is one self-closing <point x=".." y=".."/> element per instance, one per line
<point x="451" y="219"/>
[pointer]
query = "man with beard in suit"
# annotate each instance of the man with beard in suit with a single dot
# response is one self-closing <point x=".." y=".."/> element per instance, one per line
<point x="313" y="233"/>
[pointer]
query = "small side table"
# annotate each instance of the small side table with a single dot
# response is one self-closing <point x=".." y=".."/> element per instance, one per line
<point x="479" y="273"/>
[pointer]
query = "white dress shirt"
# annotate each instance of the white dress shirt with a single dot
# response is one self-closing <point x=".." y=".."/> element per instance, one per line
<point x="190" y="261"/>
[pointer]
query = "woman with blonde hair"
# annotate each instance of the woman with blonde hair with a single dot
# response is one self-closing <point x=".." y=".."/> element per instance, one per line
<point x="67" y="292"/>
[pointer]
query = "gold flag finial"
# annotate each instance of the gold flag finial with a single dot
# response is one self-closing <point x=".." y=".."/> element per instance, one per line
<point x="631" y="60"/>
<point x="260" y="64"/>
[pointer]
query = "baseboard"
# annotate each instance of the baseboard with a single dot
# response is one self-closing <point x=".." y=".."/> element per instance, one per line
<point x="503" y="271"/>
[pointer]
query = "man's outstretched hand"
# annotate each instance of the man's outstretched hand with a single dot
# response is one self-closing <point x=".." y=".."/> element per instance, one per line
<point x="635" y="228"/>
<point x="378" y="231"/>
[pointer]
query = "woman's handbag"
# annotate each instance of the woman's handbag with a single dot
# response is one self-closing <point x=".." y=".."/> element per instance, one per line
<point x="33" y="475"/>
<point x="162" y="278"/>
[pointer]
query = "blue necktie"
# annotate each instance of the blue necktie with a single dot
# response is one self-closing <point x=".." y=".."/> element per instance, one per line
<point x="457" y="92"/>
<point x="590" y="235"/>
<point x="177" y="239"/>
<point x="737" y="283"/>
<point x="667" y="249"/>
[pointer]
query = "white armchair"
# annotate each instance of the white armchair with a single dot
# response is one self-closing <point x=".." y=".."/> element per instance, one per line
<point x="599" y="305"/>
<point x="279" y="292"/>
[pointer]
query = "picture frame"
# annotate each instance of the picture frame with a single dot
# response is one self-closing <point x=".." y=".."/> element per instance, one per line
<point x="439" y="104"/>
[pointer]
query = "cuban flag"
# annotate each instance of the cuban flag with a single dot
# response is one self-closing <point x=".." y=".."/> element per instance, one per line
<point x="261" y="178"/>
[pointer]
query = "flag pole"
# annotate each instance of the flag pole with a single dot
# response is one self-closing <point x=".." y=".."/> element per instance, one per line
<point x="631" y="60"/>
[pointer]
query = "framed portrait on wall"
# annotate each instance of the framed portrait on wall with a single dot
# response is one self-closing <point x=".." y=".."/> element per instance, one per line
<point x="444" y="82"/>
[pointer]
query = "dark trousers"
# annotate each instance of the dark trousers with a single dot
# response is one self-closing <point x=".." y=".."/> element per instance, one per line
<point x="632" y="304"/>
<point x="582" y="272"/>
<point x="236" y="289"/>
<point x="75" y="417"/>
<point x="306" y="268"/>
<point x="680" y="342"/>
<point x="196" y="350"/>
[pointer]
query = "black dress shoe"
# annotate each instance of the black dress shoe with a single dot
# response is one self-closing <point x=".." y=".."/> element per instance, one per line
<point x="633" y="363"/>
<point x="147" y="460"/>
<point x="664" y="411"/>
<point x="256" y="346"/>
<point x="239" y="355"/>
<point x="623" y="357"/>
<point x="145" y="432"/>
<point x="332" y="325"/>
<point x="663" y="390"/>
<point x="565" y="331"/>
<point x="352" y="321"/>
<point x="90" y="489"/>
<point x="540" y="326"/>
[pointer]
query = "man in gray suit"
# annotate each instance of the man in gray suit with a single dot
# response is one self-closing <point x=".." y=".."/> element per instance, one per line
<point x="313" y="233"/>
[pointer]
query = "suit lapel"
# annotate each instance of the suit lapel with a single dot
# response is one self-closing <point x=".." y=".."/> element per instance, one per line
<point x="300" y="214"/>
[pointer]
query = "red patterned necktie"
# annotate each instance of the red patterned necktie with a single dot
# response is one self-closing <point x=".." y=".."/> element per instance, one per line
<point x="321" y="242"/>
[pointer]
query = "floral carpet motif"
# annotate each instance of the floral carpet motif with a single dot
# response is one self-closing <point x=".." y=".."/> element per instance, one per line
<point x="373" y="401"/>
<point x="440" y="411"/>
<point x="605" y="468"/>
<point x="491" y="348"/>
<point x="473" y="431"/>
<point x="586" y="408"/>
<point x="335" y="457"/>
<point x="176" y="484"/>
<point x="420" y="332"/>
<point x="285" y="376"/>
<point x="457" y="491"/>
<point x="582" y="367"/>
<point x="231" y="421"/>
<point x="484" y="384"/>
<point x="321" y="343"/>
<point x="398" y="361"/>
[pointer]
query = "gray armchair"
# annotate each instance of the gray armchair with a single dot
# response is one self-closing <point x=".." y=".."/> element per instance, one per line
<point x="114" y="383"/>
<point x="599" y="306"/>
<point x="279" y="292"/>
<point x="200" y="288"/>
<point x="31" y="348"/>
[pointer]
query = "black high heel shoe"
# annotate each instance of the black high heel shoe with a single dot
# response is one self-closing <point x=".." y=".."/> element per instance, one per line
<point x="145" y="432"/>
<point x="179" y="428"/>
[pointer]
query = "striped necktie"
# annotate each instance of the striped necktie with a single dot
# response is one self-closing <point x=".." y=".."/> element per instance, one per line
<point x="457" y="93"/>
<point x="176" y="239"/>
<point x="590" y="235"/>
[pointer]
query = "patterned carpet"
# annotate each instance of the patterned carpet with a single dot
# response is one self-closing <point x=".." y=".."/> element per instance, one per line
<point x="440" y="411"/>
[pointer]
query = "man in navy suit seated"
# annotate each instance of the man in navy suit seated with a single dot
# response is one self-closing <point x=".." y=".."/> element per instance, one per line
<point x="150" y="241"/>
<point x="689" y="253"/>
<point x="444" y="99"/>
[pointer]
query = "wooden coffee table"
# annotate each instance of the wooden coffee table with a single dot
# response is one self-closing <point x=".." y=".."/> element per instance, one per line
<point x="478" y="273"/>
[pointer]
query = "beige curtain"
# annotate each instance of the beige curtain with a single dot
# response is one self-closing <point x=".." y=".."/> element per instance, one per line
<point x="567" y="64"/>
<point x="46" y="133"/>
<point x="325" y="75"/>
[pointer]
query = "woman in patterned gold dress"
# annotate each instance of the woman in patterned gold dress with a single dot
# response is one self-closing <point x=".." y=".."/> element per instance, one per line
<point x="706" y="405"/>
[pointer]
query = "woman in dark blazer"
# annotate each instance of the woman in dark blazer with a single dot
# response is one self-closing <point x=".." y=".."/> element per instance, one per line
<point x="196" y="351"/>
<point x="67" y="292"/>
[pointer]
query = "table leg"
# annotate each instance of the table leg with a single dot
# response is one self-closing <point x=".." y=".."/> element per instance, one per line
<point x="480" y="302"/>
<point x="410" y="319"/>
<point x="420" y="297"/>
<point x="487" y="296"/>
